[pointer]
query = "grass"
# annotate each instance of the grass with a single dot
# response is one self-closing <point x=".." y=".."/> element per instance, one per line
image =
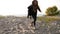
<point x="48" y="19"/>
<point x="2" y="17"/>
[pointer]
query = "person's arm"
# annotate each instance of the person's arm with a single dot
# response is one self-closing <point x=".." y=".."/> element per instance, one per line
<point x="29" y="6"/>
<point x="39" y="9"/>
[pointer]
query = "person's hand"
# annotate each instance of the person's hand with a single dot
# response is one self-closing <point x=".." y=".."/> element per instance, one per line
<point x="40" y="10"/>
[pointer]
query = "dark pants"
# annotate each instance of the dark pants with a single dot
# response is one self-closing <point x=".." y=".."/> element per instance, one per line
<point x="34" y="17"/>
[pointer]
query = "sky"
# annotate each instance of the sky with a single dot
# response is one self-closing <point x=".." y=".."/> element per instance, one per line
<point x="19" y="7"/>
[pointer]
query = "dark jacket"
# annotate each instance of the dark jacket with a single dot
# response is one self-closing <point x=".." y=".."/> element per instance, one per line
<point x="31" y="11"/>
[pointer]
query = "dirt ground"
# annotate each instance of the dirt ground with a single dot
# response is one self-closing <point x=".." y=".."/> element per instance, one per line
<point x="21" y="25"/>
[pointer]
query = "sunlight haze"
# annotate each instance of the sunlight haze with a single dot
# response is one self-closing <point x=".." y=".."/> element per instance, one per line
<point x="19" y="7"/>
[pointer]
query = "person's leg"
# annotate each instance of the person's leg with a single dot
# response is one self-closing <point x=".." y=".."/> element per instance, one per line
<point x="34" y="17"/>
<point x="34" y="20"/>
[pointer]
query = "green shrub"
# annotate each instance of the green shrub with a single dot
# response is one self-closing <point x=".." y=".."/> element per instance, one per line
<point x="52" y="11"/>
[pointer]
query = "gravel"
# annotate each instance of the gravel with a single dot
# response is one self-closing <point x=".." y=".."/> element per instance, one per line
<point x="21" y="25"/>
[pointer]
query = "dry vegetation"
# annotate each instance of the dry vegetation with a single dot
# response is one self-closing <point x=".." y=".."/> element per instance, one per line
<point x="48" y="19"/>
